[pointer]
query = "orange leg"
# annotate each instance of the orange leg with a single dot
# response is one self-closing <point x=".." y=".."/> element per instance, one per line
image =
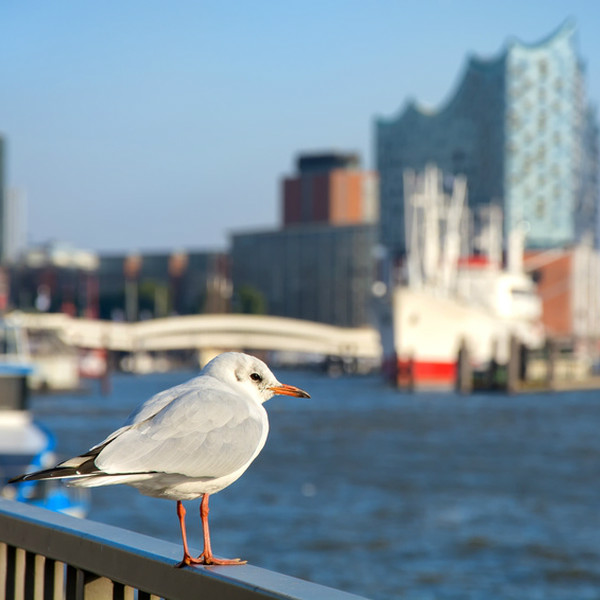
<point x="187" y="558"/>
<point x="208" y="558"/>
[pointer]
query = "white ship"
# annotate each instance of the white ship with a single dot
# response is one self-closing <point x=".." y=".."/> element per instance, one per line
<point x="448" y="297"/>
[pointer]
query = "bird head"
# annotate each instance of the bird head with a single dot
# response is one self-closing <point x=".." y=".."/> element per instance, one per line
<point x="252" y="373"/>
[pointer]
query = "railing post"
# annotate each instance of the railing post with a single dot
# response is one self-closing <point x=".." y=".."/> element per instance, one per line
<point x="97" y="588"/>
<point x="19" y="575"/>
<point x="3" y="569"/>
<point x="39" y="563"/>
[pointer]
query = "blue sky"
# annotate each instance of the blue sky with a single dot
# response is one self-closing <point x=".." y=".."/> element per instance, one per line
<point x="139" y="124"/>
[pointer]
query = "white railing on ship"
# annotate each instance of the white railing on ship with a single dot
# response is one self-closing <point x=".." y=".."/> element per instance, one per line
<point x="50" y="556"/>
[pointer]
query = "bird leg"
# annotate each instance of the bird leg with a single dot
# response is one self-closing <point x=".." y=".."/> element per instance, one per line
<point x="187" y="559"/>
<point x="207" y="557"/>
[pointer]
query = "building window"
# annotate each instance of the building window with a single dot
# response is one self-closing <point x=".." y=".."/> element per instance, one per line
<point x="542" y="122"/>
<point x="541" y="154"/>
<point x="540" y="208"/>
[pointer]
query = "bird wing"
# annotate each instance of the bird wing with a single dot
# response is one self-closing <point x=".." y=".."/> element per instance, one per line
<point x="151" y="406"/>
<point x="146" y="410"/>
<point x="208" y="432"/>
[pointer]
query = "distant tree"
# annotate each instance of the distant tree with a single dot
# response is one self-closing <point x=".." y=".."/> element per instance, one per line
<point x="251" y="301"/>
<point x="153" y="297"/>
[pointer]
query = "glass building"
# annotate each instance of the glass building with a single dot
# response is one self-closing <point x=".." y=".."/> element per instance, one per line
<point x="519" y="127"/>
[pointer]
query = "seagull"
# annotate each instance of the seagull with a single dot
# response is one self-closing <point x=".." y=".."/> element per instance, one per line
<point x="187" y="442"/>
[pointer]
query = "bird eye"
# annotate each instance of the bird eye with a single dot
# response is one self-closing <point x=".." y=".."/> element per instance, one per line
<point x="255" y="377"/>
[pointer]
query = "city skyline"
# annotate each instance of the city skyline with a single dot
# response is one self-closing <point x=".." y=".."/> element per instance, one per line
<point x="132" y="127"/>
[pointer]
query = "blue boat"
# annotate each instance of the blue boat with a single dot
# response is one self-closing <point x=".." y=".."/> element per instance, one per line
<point x="24" y="444"/>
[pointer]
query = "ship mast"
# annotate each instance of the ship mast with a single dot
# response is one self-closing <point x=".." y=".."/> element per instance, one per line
<point x="433" y="229"/>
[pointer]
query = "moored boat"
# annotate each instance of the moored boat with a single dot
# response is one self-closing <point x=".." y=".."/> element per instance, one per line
<point x="24" y="444"/>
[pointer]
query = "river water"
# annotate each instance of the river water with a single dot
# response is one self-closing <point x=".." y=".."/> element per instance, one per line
<point x="387" y="494"/>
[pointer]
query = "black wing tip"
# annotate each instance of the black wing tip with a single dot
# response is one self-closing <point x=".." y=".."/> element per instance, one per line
<point x="23" y="478"/>
<point x="55" y="473"/>
<point x="18" y="479"/>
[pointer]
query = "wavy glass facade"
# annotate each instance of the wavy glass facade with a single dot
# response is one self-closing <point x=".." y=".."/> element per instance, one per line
<point x="519" y="128"/>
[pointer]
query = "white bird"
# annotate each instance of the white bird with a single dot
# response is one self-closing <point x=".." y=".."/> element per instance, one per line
<point x="186" y="442"/>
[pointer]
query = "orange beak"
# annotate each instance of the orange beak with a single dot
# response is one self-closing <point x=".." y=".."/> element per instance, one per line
<point x="289" y="390"/>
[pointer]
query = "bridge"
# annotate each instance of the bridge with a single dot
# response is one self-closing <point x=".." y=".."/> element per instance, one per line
<point x="211" y="332"/>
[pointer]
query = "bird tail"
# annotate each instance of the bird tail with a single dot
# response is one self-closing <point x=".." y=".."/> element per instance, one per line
<point x="79" y="466"/>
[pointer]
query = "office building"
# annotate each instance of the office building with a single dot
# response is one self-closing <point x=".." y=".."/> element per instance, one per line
<point x="13" y="221"/>
<point x="15" y="224"/>
<point x="315" y="272"/>
<point x="3" y="193"/>
<point x="329" y="188"/>
<point x="520" y="128"/>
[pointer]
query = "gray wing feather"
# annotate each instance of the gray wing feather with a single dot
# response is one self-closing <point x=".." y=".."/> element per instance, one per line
<point x="149" y="408"/>
<point x="205" y="432"/>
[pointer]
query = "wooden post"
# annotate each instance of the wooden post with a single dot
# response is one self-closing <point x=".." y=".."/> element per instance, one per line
<point x="412" y="382"/>
<point x="514" y="366"/>
<point x="491" y="376"/>
<point x="464" y="375"/>
<point x="551" y="351"/>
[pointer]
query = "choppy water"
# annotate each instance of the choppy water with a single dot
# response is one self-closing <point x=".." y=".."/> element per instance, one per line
<point x="389" y="495"/>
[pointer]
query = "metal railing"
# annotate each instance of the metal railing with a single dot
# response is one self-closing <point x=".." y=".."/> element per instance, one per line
<point x="50" y="556"/>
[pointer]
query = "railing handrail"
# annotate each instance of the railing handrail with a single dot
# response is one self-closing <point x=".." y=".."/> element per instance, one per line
<point x="95" y="550"/>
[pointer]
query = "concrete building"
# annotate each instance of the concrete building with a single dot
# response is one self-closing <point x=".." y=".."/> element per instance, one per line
<point x="320" y="265"/>
<point x="13" y="216"/>
<point x="315" y="272"/>
<point x="329" y="188"/>
<point x="520" y="129"/>
<point x="568" y="283"/>
<point x="3" y="194"/>
<point x="15" y="228"/>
